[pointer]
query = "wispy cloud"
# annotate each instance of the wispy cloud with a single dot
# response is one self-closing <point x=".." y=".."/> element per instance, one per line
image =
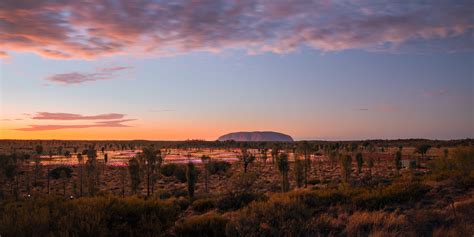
<point x="3" y="54"/>
<point x="101" y="124"/>
<point x="435" y="93"/>
<point x="78" y="78"/>
<point x="69" y="116"/>
<point x="110" y="120"/>
<point x="90" y="29"/>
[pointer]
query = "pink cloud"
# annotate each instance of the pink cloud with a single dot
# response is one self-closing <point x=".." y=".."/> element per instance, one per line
<point x="97" y="28"/>
<point x="69" y="116"/>
<point x="101" y="124"/>
<point x="4" y="54"/>
<point x="78" y="78"/>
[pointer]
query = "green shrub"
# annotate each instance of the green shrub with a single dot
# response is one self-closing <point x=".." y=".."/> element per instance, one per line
<point x="205" y="225"/>
<point x="203" y="205"/>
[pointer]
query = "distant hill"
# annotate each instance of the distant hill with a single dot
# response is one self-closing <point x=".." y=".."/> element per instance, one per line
<point x="256" y="137"/>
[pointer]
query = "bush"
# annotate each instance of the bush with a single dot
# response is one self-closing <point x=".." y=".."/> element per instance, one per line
<point x="384" y="224"/>
<point x="318" y="199"/>
<point x="398" y="193"/>
<point x="203" y="205"/>
<point x="218" y="167"/>
<point x="280" y="216"/>
<point x="97" y="216"/>
<point x="232" y="202"/>
<point x="182" y="202"/>
<point x="178" y="171"/>
<point x="205" y="225"/>
<point x="168" y="169"/>
<point x="313" y="181"/>
<point x="179" y="193"/>
<point x="56" y="172"/>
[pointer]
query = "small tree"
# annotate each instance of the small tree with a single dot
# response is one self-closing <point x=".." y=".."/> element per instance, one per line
<point x="152" y="158"/>
<point x="283" y="167"/>
<point x="81" y="175"/>
<point x="360" y="162"/>
<point x="422" y="149"/>
<point x="346" y="167"/>
<point x="274" y="153"/>
<point x="264" y="155"/>
<point x="134" y="170"/>
<point x="398" y="161"/>
<point x="63" y="173"/>
<point x="305" y="149"/>
<point x="246" y="158"/>
<point x="191" y="177"/>
<point x="370" y="163"/>
<point x="205" y="161"/>
<point x="37" y="161"/>
<point x="92" y="171"/>
<point x="333" y="158"/>
<point x="299" y="172"/>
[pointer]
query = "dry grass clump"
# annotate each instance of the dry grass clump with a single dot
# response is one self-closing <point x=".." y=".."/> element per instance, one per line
<point x="378" y="223"/>
<point x="209" y="225"/>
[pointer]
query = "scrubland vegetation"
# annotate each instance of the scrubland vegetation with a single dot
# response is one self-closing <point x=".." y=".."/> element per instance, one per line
<point x="373" y="188"/>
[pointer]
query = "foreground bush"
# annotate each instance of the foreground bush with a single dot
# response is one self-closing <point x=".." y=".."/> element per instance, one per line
<point x="205" y="225"/>
<point x="279" y="216"/>
<point x="98" y="216"/>
<point x="395" y="194"/>
<point x="384" y="224"/>
<point x="203" y="205"/>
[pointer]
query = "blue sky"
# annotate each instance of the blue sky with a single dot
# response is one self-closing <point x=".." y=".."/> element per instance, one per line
<point x="347" y="86"/>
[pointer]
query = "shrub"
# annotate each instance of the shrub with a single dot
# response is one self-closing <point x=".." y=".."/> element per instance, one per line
<point x="385" y="224"/>
<point x="179" y="193"/>
<point x="398" y="193"/>
<point x="203" y="205"/>
<point x="313" y="181"/>
<point x="96" y="216"/>
<point x="205" y="225"/>
<point x="56" y="172"/>
<point x="168" y="169"/>
<point x="178" y="171"/>
<point x="218" y="167"/>
<point x="317" y="199"/>
<point x="280" y="216"/>
<point x="182" y="202"/>
<point x="236" y="201"/>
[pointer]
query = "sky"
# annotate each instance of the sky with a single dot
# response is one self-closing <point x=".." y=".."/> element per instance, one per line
<point x="176" y="70"/>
